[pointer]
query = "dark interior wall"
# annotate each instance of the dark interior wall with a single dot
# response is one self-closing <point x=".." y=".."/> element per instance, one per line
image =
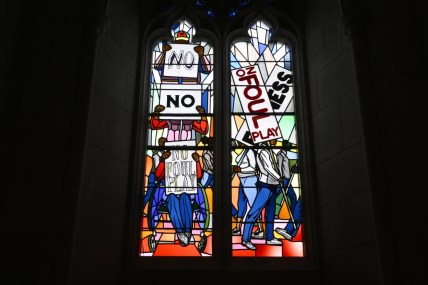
<point x="367" y="66"/>
<point x="393" y="103"/>
<point x="66" y="139"/>
<point x="68" y="108"/>
<point x="100" y="220"/>
<point x="346" y="224"/>
<point x="44" y="111"/>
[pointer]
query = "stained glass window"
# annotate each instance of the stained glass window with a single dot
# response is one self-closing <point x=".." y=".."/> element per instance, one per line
<point x="178" y="172"/>
<point x="265" y="184"/>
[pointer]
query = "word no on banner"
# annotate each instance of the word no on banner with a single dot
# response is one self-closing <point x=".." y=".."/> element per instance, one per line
<point x="181" y="61"/>
<point x="181" y="99"/>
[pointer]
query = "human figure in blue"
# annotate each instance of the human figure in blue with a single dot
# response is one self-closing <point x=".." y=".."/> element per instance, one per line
<point x="295" y="203"/>
<point x="269" y="188"/>
<point x="246" y="171"/>
<point x="179" y="205"/>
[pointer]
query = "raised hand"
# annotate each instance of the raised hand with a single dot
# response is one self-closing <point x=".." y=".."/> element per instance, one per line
<point x="199" y="50"/>
<point x="166" y="47"/>
<point x="201" y="110"/>
<point x="158" y="109"/>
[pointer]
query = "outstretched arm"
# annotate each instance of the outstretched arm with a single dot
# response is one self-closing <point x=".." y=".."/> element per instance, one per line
<point x="195" y="157"/>
<point x="160" y="60"/>
<point x="204" y="65"/>
<point x="160" y="171"/>
<point x="155" y="122"/>
<point x="202" y="125"/>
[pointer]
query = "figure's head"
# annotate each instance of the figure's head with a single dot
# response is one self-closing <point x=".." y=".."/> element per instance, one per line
<point x="182" y="37"/>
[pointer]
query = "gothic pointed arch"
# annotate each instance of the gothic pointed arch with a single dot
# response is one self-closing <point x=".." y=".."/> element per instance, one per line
<point x="215" y="87"/>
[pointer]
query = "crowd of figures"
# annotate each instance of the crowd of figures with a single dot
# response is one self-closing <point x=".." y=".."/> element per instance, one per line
<point x="179" y="175"/>
<point x="181" y="140"/>
<point x="186" y="207"/>
<point x="264" y="174"/>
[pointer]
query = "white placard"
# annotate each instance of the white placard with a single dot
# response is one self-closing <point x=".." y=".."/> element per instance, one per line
<point x="244" y="135"/>
<point x="180" y="99"/>
<point x="180" y="170"/>
<point x="280" y="88"/>
<point x="254" y="98"/>
<point x="181" y="61"/>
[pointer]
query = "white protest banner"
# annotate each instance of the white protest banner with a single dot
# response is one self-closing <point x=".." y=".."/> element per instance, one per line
<point x="181" y="61"/>
<point x="180" y="170"/>
<point x="254" y="99"/>
<point x="280" y="88"/>
<point x="180" y="99"/>
<point x="244" y="135"/>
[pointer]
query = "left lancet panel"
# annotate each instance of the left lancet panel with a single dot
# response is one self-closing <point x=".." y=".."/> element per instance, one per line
<point x="178" y="173"/>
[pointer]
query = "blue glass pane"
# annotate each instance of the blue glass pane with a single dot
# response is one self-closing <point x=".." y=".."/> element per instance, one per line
<point x="233" y="61"/>
<point x="262" y="48"/>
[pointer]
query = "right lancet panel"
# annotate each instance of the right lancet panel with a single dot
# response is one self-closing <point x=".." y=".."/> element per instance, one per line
<point x="265" y="184"/>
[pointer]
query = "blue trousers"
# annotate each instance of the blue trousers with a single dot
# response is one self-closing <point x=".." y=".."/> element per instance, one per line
<point x="295" y="209"/>
<point x="150" y="187"/>
<point x="180" y="212"/>
<point x="247" y="194"/>
<point x="207" y="180"/>
<point x="265" y="198"/>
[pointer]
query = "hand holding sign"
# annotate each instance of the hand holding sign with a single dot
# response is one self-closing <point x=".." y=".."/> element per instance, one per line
<point x="201" y="110"/>
<point x="158" y="109"/>
<point x="166" y="48"/>
<point x="199" y="50"/>
<point x="236" y="169"/>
